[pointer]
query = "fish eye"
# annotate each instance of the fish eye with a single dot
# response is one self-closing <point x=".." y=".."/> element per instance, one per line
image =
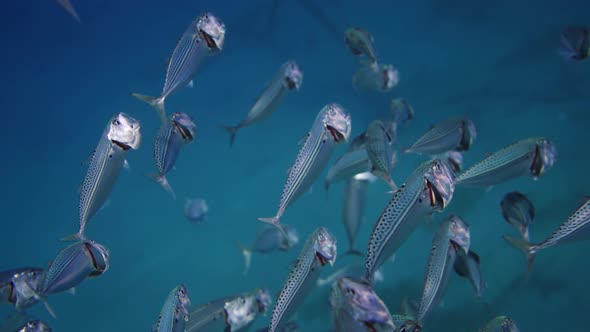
<point x="116" y="122"/>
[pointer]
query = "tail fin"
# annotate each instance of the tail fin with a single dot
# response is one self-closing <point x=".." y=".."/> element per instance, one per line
<point x="275" y="222"/>
<point x="354" y="252"/>
<point x="72" y="238"/>
<point x="527" y="248"/>
<point x="161" y="179"/>
<point x="155" y="102"/>
<point x="231" y="130"/>
<point x="247" y="253"/>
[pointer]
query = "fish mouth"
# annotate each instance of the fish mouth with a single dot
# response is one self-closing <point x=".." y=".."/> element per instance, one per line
<point x="184" y="132"/>
<point x="336" y="135"/>
<point x="544" y="157"/>
<point x="322" y="259"/>
<point x="469" y="133"/>
<point x="436" y="199"/>
<point x="100" y="265"/>
<point x="291" y="84"/>
<point x="209" y="40"/>
<point x="121" y="145"/>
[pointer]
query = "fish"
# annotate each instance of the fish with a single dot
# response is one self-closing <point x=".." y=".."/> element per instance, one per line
<point x="122" y="134"/>
<point x="289" y="327"/>
<point x="352" y="270"/>
<point x="172" y="136"/>
<point x="20" y="286"/>
<point x="381" y="154"/>
<point x="346" y="166"/>
<point x="427" y="190"/>
<point x="500" y="324"/>
<point x="353" y="211"/>
<point x="529" y="157"/>
<point x="174" y="315"/>
<point x="451" y="237"/>
<point x="320" y="249"/>
<point x="406" y="323"/>
<point x="575" y="228"/>
<point x="196" y="209"/>
<point x="289" y="78"/>
<point x="357" y="143"/>
<point x="519" y="212"/>
<point x="381" y="78"/>
<point x="448" y="135"/>
<point x="330" y="128"/>
<point x="575" y="43"/>
<point x="468" y="266"/>
<point x="34" y="326"/>
<point x="454" y="159"/>
<point x="67" y="5"/>
<point x="204" y="37"/>
<point x="399" y="113"/>
<point x="356" y="307"/>
<point x="233" y="313"/>
<point x="360" y="42"/>
<point x="268" y="240"/>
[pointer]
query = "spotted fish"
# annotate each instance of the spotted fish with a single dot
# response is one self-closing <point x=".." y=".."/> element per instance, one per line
<point x="500" y="324"/>
<point x="175" y="311"/>
<point x="448" y="135"/>
<point x="380" y="150"/>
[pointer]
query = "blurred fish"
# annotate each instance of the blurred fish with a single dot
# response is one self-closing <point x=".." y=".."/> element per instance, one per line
<point x="319" y="250"/>
<point x="400" y="112"/>
<point x="353" y="210"/>
<point x="409" y="307"/>
<point x="330" y="127"/>
<point x="353" y="270"/>
<point x="500" y="324"/>
<point x="289" y="78"/>
<point x="380" y="78"/>
<point x="532" y="157"/>
<point x="575" y="43"/>
<point x="358" y="142"/>
<point x="196" y="209"/>
<point x="346" y="166"/>
<point x="454" y="159"/>
<point x="34" y="326"/>
<point x="448" y="135"/>
<point x="468" y="266"/>
<point x="406" y="323"/>
<point x="171" y="137"/>
<point x="360" y="42"/>
<point x="427" y="190"/>
<point x="356" y="307"/>
<point x="575" y="228"/>
<point x="67" y="5"/>
<point x="174" y="315"/>
<point x="122" y="134"/>
<point x="268" y="240"/>
<point x="205" y="36"/>
<point x="20" y="287"/>
<point x="380" y="150"/>
<point x="519" y="212"/>
<point x="451" y="237"/>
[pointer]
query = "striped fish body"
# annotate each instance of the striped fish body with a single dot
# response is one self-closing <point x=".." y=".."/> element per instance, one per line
<point x="175" y="311"/>
<point x="354" y="209"/>
<point x="167" y="147"/>
<point x="380" y="151"/>
<point x="449" y="135"/>
<point x="348" y="165"/>
<point x="575" y="228"/>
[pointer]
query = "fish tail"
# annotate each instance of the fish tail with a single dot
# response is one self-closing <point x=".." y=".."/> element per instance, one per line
<point x="164" y="183"/>
<point x="275" y="222"/>
<point x="354" y="252"/>
<point x="73" y="237"/>
<point x="49" y="309"/>
<point x="155" y="102"/>
<point x="247" y="253"/>
<point x="391" y="183"/>
<point x="526" y="247"/>
<point x="232" y="131"/>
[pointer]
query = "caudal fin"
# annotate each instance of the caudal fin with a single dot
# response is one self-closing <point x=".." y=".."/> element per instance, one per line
<point x="231" y="130"/>
<point x="247" y="253"/>
<point x="275" y="222"/>
<point x="354" y="252"/>
<point x="164" y="183"/>
<point x="155" y="102"/>
<point x="73" y="237"/>
<point x="526" y="247"/>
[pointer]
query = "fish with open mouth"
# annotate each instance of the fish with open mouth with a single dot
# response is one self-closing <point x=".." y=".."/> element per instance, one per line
<point x="380" y="78"/>
<point x="174" y="315"/>
<point x="268" y="240"/>
<point x="330" y="128"/>
<point x="427" y="190"/>
<point x="172" y="136"/>
<point x="519" y="212"/>
<point x="122" y="134"/>
<point x="500" y="324"/>
<point x="319" y="250"/>
<point x="20" y="287"/>
<point x="205" y="36"/>
<point x="530" y="157"/>
<point x="289" y="78"/>
<point x="448" y="135"/>
<point x="360" y="42"/>
<point x="382" y="156"/>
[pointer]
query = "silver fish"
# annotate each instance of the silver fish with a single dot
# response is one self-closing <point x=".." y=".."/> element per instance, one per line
<point x="575" y="228"/>
<point x="67" y="5"/>
<point x="380" y="150"/>
<point x="174" y="315"/>
<point x="346" y="166"/>
<point x="532" y="157"/>
<point x="269" y="240"/>
<point x="205" y="36"/>
<point x="289" y="78"/>
<point x="120" y="135"/>
<point x="196" y="209"/>
<point x="575" y="43"/>
<point x="360" y="42"/>
<point x="448" y="135"/>
<point x="172" y="136"/>
<point x="319" y="250"/>
<point x="34" y="326"/>
<point x="353" y="211"/>
<point x="356" y="307"/>
<point x="468" y="266"/>
<point x="330" y="127"/>
<point x="20" y="287"/>
<point x="519" y="212"/>
<point x="381" y="78"/>
<point x="427" y="190"/>
<point x="352" y="270"/>
<point x="500" y="324"/>
<point x="406" y="324"/>
<point x="452" y="235"/>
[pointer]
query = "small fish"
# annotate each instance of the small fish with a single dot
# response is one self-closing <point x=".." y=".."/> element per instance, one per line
<point x="20" y="287"/>
<point x="380" y="150"/>
<point x="575" y="43"/>
<point x="532" y="157"/>
<point x="330" y="127"/>
<point x="353" y="211"/>
<point x="467" y="266"/>
<point x="353" y="270"/>
<point x="172" y="136"/>
<point x="289" y="78"/>
<point x="123" y="133"/>
<point x="356" y="307"/>
<point x="399" y="113"/>
<point x="448" y="135"/>
<point x="519" y="212"/>
<point x="454" y="159"/>
<point x="174" y="315"/>
<point x="269" y="240"/>
<point x="427" y="190"/>
<point x="34" y="326"/>
<point x="319" y="250"/>
<point x="406" y="323"/>
<point x="381" y="78"/>
<point x="575" y="228"/>
<point x="67" y="5"/>
<point x="196" y="209"/>
<point x="346" y="166"/>
<point x="500" y="324"/>
<point x="360" y="42"/>
<point x="205" y="36"/>
<point x="451" y="237"/>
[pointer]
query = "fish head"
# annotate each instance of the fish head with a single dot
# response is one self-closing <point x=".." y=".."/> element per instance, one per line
<point x="390" y="76"/>
<point x="99" y="255"/>
<point x="183" y="301"/>
<point x="544" y="157"/>
<point x="325" y="246"/>
<point x="26" y="288"/>
<point x="337" y="122"/>
<point x="458" y="233"/>
<point x="293" y="76"/>
<point x="36" y="326"/>
<point x="185" y="125"/>
<point x="264" y="300"/>
<point x="212" y="30"/>
<point x="240" y="312"/>
<point x="124" y="131"/>
<point x="409" y="326"/>
<point x="469" y="135"/>
<point x="440" y="182"/>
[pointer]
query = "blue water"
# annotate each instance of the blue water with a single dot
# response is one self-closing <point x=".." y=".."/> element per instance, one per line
<point x="493" y="61"/>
